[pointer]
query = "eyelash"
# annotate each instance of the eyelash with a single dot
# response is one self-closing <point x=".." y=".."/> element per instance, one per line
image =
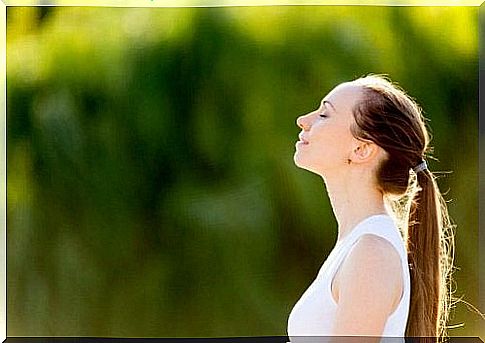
<point x="323" y="115"/>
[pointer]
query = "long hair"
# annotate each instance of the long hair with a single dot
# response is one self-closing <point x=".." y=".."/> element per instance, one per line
<point x="391" y="119"/>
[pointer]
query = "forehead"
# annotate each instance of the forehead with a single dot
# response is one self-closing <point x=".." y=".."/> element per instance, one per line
<point x="344" y="97"/>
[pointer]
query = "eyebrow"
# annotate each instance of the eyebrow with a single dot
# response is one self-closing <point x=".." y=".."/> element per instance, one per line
<point x="328" y="102"/>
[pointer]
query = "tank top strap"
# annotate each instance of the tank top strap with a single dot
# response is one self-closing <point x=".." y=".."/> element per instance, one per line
<point x="380" y="225"/>
<point x="384" y="227"/>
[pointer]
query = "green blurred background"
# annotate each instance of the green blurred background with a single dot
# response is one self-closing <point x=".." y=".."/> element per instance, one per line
<point x="151" y="184"/>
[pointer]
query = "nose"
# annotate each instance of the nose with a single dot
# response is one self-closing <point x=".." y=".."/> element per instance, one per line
<point x="304" y="122"/>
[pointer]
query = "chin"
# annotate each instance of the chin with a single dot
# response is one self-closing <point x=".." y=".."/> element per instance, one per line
<point x="300" y="162"/>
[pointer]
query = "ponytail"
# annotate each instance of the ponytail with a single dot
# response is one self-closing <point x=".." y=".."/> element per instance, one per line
<point x="430" y="255"/>
<point x="395" y="122"/>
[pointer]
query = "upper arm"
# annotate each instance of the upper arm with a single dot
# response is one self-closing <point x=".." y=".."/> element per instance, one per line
<point x="370" y="283"/>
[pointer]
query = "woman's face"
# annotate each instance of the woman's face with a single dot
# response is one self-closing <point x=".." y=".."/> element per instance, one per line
<point x="326" y="142"/>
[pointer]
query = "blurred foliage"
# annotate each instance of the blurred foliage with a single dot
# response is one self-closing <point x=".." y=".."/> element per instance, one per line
<point x="151" y="185"/>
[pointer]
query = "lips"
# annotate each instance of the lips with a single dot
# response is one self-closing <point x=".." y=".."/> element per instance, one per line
<point x="302" y="140"/>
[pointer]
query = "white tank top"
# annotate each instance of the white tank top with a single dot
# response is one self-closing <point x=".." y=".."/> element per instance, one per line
<point x="314" y="313"/>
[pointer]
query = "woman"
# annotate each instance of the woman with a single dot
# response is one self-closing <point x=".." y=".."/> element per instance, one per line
<point x="368" y="141"/>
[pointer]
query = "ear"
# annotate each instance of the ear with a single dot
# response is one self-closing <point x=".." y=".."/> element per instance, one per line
<point x="363" y="151"/>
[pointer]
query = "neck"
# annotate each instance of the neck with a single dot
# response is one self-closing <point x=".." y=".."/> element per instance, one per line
<point x="354" y="197"/>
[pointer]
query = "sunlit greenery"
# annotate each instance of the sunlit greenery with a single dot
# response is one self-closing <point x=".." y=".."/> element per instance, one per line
<point x="151" y="184"/>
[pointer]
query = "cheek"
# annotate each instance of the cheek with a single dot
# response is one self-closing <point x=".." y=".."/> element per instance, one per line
<point x="333" y="137"/>
<point x="334" y="143"/>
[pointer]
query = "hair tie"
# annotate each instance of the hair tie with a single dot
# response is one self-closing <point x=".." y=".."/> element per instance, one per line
<point x="420" y="167"/>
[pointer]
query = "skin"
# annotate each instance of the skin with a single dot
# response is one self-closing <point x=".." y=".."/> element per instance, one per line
<point x="368" y="285"/>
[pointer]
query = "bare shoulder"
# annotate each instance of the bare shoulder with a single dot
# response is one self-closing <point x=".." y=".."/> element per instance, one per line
<point x="371" y="246"/>
<point x="369" y="287"/>
<point x="373" y="266"/>
<point x="373" y="254"/>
